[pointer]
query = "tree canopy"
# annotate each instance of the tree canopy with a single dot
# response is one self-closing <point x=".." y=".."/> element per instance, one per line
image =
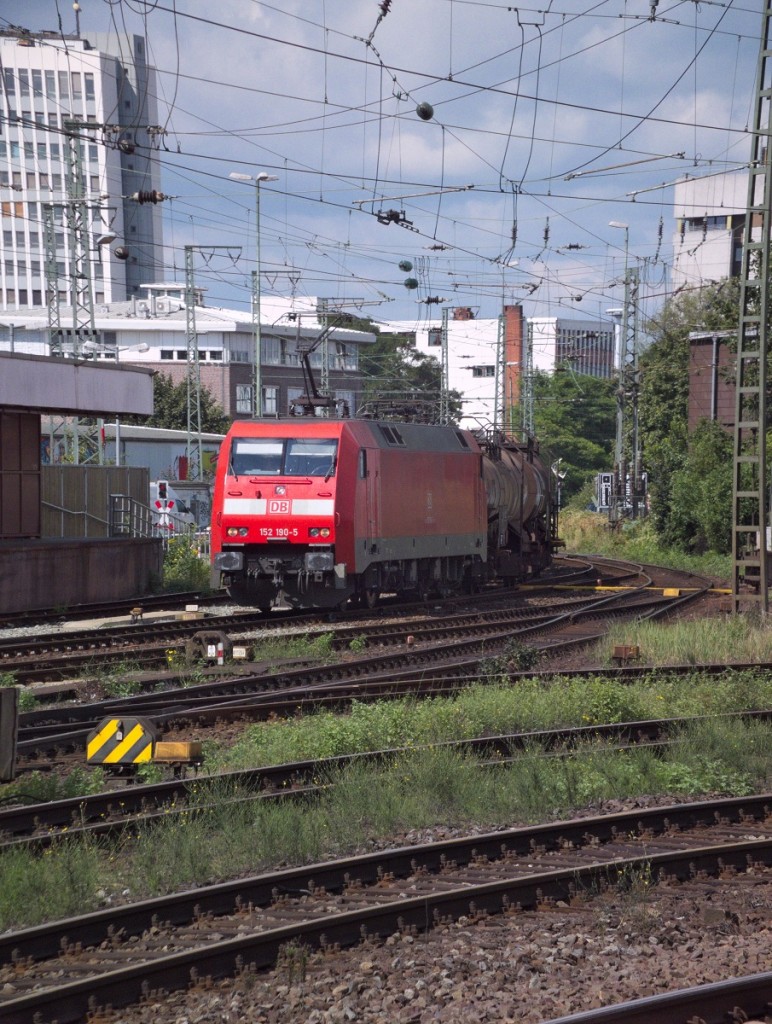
<point x="663" y="411"/>
<point x="574" y="419"/>
<point x="396" y="374"/>
<point x="170" y="408"/>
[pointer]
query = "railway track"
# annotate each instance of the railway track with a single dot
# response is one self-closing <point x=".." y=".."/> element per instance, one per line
<point x="53" y="654"/>
<point x="433" y="667"/>
<point x="105" y="813"/>
<point x="70" y="969"/>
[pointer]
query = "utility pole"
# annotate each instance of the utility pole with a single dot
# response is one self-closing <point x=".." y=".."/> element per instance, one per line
<point x="257" y="383"/>
<point x="499" y="419"/>
<point x="627" y="391"/>
<point x="193" y="377"/>
<point x="750" y="482"/>
<point x="526" y="385"/>
<point x="444" y="383"/>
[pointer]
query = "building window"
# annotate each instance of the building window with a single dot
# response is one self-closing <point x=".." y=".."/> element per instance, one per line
<point x="270" y="401"/>
<point x="167" y="353"/>
<point x="75" y="85"/>
<point x="434" y="337"/>
<point x="50" y="85"/>
<point x="89" y="81"/>
<point x="270" y="349"/>
<point x="243" y="398"/>
<point x="10" y="82"/>
<point x="483" y="371"/>
<point x="37" y="83"/>
<point x="23" y="82"/>
<point x="216" y="354"/>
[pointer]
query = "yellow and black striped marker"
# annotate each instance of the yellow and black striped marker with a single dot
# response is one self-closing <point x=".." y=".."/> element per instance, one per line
<point x="121" y="741"/>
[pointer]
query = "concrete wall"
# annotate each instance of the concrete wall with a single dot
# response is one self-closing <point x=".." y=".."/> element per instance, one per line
<point x="52" y="574"/>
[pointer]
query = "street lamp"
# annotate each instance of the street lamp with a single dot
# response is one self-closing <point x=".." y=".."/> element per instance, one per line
<point x="257" y="398"/>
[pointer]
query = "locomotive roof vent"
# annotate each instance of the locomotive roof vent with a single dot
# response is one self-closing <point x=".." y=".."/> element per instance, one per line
<point x="391" y="434"/>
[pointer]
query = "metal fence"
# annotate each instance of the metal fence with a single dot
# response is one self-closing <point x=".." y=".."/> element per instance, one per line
<point x="132" y="518"/>
<point x="76" y="500"/>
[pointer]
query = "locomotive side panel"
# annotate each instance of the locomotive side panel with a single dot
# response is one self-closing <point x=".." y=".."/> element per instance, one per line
<point x="315" y="511"/>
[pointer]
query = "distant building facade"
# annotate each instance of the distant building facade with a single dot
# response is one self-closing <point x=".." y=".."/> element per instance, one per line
<point x="152" y="331"/>
<point x="48" y="79"/>
<point x="583" y="346"/>
<point x="709" y="217"/>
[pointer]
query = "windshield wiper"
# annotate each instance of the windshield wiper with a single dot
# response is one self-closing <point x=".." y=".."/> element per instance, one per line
<point x="331" y="470"/>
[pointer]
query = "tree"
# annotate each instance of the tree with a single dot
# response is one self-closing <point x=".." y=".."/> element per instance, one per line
<point x="397" y="375"/>
<point x="170" y="408"/>
<point x="574" y="417"/>
<point x="664" y="396"/>
<point x="701" y="493"/>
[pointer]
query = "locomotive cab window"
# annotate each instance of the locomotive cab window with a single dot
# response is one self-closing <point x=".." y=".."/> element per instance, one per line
<point x="256" y="456"/>
<point x="276" y="456"/>
<point x="311" y="456"/>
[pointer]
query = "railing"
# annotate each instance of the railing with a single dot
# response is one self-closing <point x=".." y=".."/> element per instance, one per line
<point x="83" y="515"/>
<point x="130" y="518"/>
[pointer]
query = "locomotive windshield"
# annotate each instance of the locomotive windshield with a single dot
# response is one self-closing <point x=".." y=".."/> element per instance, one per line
<point x="280" y="456"/>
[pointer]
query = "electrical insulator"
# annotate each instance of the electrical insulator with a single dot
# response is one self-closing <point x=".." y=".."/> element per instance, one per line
<point x="425" y="111"/>
<point x="121" y="253"/>
<point x="405" y="265"/>
<point x="148" y="197"/>
<point x="411" y="283"/>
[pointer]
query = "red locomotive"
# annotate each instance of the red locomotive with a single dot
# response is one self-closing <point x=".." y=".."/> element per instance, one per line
<point x="316" y="511"/>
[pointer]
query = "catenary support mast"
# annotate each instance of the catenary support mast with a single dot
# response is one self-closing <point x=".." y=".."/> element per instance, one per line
<point x="750" y="483"/>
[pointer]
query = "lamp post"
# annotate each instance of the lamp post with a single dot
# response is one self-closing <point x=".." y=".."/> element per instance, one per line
<point x="257" y="398"/>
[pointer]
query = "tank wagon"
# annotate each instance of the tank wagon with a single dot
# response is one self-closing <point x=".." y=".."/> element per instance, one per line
<point x="316" y="512"/>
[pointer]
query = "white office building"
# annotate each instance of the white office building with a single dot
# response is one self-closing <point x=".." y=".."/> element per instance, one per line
<point x="52" y="88"/>
<point x="710" y="221"/>
<point x="583" y="346"/>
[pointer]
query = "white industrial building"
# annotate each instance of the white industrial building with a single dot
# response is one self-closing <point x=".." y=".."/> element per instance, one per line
<point x="152" y="331"/>
<point x="47" y="80"/>
<point x="710" y="220"/>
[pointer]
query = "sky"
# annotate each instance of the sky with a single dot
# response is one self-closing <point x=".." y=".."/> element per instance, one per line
<point x="485" y="144"/>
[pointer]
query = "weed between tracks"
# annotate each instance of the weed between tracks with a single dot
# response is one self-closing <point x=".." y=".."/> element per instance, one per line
<point x="222" y="835"/>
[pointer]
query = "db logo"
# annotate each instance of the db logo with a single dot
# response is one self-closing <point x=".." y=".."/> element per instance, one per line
<point x="278" y="507"/>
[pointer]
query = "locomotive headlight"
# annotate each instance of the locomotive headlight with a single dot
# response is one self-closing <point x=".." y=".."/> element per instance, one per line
<point x="319" y="531"/>
<point x="314" y="531"/>
<point x="324" y="532"/>
<point x="237" y="531"/>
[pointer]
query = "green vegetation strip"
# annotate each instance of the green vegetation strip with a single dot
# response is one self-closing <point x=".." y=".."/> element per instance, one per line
<point x="425" y="788"/>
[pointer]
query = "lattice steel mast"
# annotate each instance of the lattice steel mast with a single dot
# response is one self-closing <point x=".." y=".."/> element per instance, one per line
<point x="750" y="484"/>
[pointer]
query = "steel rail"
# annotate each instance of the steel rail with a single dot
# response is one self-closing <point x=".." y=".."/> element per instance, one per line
<point x="106" y="812"/>
<point x="69" y="1001"/>
<point x="736" y="999"/>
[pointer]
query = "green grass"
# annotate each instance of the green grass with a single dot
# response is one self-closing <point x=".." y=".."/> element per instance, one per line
<point x="484" y="710"/>
<point x="418" y="790"/>
<point x="717" y="641"/>
<point x="637" y="542"/>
